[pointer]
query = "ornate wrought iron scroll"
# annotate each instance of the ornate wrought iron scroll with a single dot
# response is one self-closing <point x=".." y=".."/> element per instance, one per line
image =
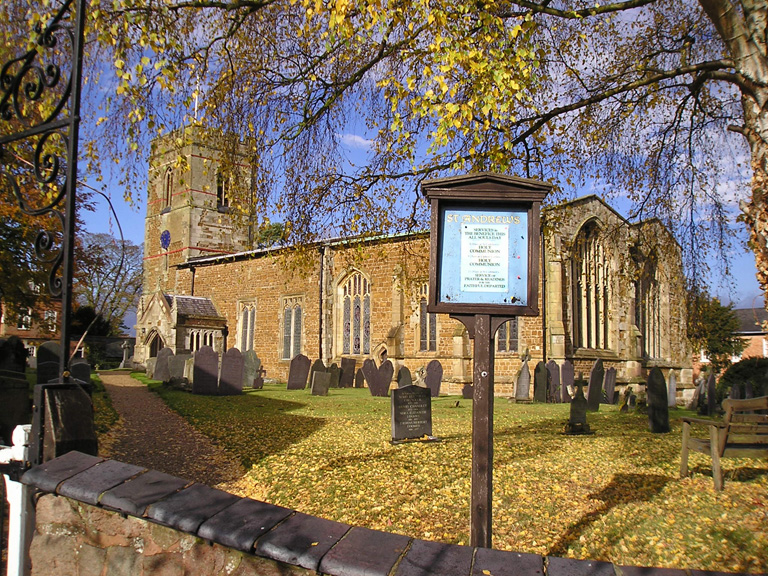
<point x="39" y="129"/>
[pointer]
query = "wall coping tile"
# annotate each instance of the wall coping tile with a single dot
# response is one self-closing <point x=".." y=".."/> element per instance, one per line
<point x="187" y="509"/>
<point x="293" y="538"/>
<point x="89" y="484"/>
<point x="135" y="495"/>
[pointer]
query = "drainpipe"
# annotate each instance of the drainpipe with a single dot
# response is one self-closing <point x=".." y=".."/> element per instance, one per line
<point x="543" y="298"/>
<point x="321" y="297"/>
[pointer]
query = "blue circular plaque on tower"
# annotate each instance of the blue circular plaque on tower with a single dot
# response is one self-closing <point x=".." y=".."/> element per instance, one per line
<point x="165" y="239"/>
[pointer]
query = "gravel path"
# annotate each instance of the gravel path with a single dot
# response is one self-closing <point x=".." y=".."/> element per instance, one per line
<point x="152" y="435"/>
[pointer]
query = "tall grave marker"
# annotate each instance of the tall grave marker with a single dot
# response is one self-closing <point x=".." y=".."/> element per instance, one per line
<point x="483" y="271"/>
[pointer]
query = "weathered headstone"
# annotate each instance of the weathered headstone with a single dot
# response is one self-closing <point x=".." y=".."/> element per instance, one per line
<point x="67" y="416"/>
<point x="80" y="370"/>
<point x="658" y="405"/>
<point x="162" y="371"/>
<point x="577" y="420"/>
<point x="554" y="382"/>
<point x="468" y="391"/>
<point x="14" y="389"/>
<point x="335" y="373"/>
<point x="48" y="355"/>
<point x="595" y="391"/>
<point x="411" y="409"/>
<point x="610" y="385"/>
<point x="378" y="379"/>
<point x="176" y="367"/>
<point x="748" y="392"/>
<point x="347" y="379"/>
<point x="434" y="377"/>
<point x="317" y="365"/>
<point x="735" y="393"/>
<point x="205" y="379"/>
<point x="672" y="389"/>
<point x="321" y="381"/>
<point x="711" y="398"/>
<point x="523" y="387"/>
<point x="359" y="378"/>
<point x="251" y="366"/>
<point x="567" y="375"/>
<point x="231" y="380"/>
<point x="404" y="377"/>
<point x="150" y="371"/>
<point x="698" y="394"/>
<point x="298" y="372"/>
<point x="540" y="382"/>
<point x="126" y="361"/>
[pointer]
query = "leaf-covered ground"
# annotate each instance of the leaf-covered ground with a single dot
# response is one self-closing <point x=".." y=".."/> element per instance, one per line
<point x="614" y="495"/>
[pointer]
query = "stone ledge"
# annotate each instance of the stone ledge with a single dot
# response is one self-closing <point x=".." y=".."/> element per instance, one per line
<point x="292" y="538"/>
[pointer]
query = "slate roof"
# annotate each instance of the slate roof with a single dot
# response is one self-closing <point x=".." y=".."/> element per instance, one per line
<point x="192" y="305"/>
<point x="751" y="320"/>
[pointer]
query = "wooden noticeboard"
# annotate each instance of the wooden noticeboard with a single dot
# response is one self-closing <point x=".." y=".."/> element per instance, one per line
<point x="483" y="271"/>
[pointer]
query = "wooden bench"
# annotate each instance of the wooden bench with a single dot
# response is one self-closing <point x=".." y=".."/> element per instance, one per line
<point x="741" y="434"/>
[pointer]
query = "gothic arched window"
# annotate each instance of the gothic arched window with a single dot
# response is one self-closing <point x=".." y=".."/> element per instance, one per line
<point x="647" y="309"/>
<point x="292" y="324"/>
<point x="355" y="295"/>
<point x="591" y="289"/>
<point x="168" y="187"/>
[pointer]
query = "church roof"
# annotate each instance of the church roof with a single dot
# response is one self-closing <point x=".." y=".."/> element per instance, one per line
<point x="192" y="305"/>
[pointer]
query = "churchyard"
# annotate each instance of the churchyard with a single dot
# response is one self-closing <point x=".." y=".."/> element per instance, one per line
<point x="611" y="495"/>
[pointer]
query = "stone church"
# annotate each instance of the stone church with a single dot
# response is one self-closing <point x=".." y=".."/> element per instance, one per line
<point x="608" y="288"/>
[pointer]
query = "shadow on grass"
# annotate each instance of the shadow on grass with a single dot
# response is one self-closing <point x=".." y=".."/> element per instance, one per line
<point x="623" y="489"/>
<point x="731" y="473"/>
<point x="250" y="426"/>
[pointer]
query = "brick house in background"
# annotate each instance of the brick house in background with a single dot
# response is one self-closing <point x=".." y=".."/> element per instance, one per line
<point x="30" y="330"/>
<point x="752" y="327"/>
<point x="609" y="289"/>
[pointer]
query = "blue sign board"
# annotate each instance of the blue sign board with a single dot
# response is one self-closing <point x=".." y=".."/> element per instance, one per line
<point x="484" y="256"/>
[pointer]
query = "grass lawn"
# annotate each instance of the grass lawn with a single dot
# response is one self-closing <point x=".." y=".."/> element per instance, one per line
<point x="614" y="495"/>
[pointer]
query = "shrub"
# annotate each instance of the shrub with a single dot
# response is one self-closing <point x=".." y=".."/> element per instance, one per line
<point x="752" y="370"/>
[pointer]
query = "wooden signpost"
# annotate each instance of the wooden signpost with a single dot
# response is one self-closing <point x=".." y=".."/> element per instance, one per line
<point x="484" y="271"/>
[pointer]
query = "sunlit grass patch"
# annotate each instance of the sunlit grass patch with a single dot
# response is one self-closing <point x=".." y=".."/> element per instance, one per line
<point x="614" y="495"/>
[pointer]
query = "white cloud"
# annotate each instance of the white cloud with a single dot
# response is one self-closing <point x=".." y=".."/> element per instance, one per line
<point x="355" y="141"/>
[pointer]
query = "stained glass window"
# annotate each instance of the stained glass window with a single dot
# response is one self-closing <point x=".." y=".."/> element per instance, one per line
<point x="506" y="337"/>
<point x="292" y="326"/>
<point x="356" y="322"/>
<point x="247" y="326"/>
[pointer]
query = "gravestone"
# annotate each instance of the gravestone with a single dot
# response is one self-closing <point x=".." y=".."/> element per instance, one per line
<point x="523" y="386"/>
<point x="205" y="379"/>
<point x="567" y="375"/>
<point x="610" y="385"/>
<point x="577" y="420"/>
<point x="735" y="392"/>
<point x="658" y="404"/>
<point x="162" y="371"/>
<point x="359" y="378"/>
<point x="298" y="372"/>
<point x="468" y="391"/>
<point x="434" y="377"/>
<point x="231" y="380"/>
<point x="15" y="407"/>
<point x="189" y="368"/>
<point x="13" y="355"/>
<point x="404" y="377"/>
<point x="316" y="365"/>
<point x="321" y="381"/>
<point x="177" y="365"/>
<point x="347" y="379"/>
<point x="411" y="411"/>
<point x="48" y="356"/>
<point x="251" y="366"/>
<point x="67" y="417"/>
<point x="126" y="361"/>
<point x="595" y="391"/>
<point x="80" y="370"/>
<point x="540" y="382"/>
<point x="711" y="398"/>
<point x="378" y="379"/>
<point x="150" y="371"/>
<point x="698" y="394"/>
<point x="554" y="382"/>
<point x="335" y="373"/>
<point x="672" y="389"/>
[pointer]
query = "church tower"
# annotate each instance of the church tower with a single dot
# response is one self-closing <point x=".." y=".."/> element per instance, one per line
<point x="190" y="189"/>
